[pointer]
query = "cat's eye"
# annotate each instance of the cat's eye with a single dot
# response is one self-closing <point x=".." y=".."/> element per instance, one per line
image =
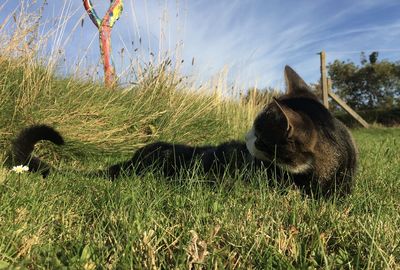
<point x="259" y="143"/>
<point x="262" y="145"/>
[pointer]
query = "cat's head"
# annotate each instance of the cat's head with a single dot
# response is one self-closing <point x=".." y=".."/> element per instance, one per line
<point x="281" y="133"/>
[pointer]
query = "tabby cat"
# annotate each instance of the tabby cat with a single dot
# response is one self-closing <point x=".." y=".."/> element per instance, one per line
<point x="301" y="136"/>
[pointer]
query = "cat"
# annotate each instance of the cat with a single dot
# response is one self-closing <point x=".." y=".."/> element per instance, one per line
<point x="295" y="133"/>
<point x="301" y="136"/>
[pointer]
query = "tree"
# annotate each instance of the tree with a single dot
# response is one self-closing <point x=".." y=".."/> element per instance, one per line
<point x="373" y="84"/>
<point x="105" y="26"/>
<point x="373" y="57"/>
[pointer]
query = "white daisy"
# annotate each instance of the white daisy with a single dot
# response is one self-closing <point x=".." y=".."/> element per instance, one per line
<point x="20" y="169"/>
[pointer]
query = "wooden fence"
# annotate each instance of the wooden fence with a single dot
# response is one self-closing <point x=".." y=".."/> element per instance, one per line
<point x="326" y="84"/>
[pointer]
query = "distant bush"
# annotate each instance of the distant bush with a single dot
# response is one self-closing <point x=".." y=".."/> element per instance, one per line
<point x="371" y="85"/>
<point x="390" y="117"/>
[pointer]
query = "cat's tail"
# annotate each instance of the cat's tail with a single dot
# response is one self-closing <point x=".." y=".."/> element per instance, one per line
<point x="23" y="145"/>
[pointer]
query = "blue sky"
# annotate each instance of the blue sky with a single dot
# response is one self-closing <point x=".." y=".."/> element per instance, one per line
<point x="253" y="39"/>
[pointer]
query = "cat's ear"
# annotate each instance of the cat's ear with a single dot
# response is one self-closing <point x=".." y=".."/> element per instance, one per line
<point x="287" y="116"/>
<point x="295" y="84"/>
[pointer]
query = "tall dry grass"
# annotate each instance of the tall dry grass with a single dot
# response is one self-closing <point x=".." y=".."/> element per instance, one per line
<point x="160" y="105"/>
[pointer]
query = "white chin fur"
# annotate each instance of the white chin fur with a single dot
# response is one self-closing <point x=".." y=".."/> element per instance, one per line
<point x="250" y="138"/>
<point x="250" y="141"/>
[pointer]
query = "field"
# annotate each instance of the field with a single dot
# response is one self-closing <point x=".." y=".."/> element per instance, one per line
<point x="148" y="222"/>
<point x="71" y="221"/>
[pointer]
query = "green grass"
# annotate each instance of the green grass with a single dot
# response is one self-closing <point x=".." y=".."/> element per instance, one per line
<point x="146" y="222"/>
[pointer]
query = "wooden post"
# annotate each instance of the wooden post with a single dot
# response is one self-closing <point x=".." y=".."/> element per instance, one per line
<point x="324" y="80"/>
<point x="326" y="84"/>
<point x="329" y="84"/>
<point x="348" y="109"/>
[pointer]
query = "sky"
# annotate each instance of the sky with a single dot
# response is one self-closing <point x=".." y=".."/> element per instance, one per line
<point x="251" y="40"/>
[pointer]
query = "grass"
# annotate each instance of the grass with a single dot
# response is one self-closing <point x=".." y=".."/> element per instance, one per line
<point x="71" y="221"/>
<point x="148" y="222"/>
